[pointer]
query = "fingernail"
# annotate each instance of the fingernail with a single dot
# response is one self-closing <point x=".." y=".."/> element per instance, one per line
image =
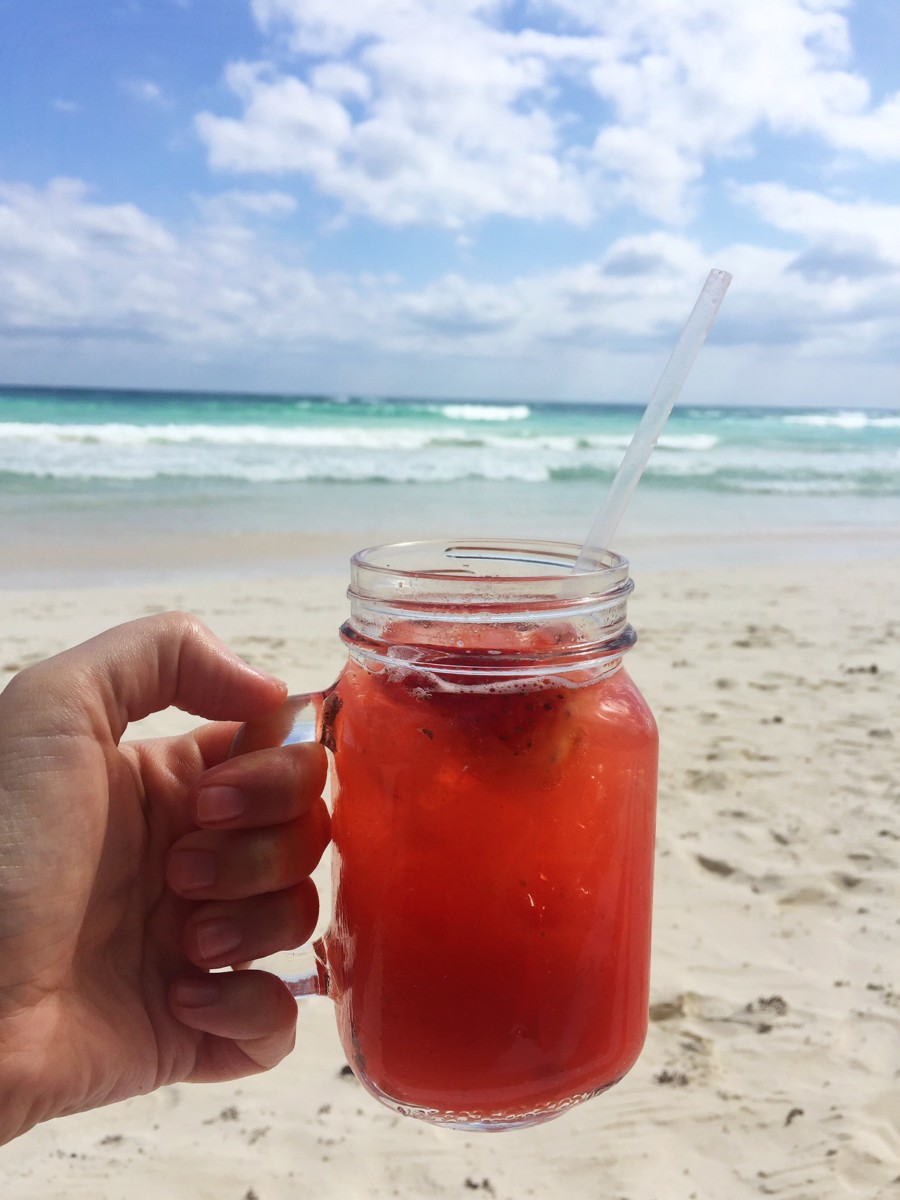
<point x="192" y="869"/>
<point x="219" y="804"/>
<point x="197" y="993"/>
<point x="217" y="937"/>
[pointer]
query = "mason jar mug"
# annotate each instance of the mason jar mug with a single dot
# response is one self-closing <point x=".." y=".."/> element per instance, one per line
<point x="493" y="779"/>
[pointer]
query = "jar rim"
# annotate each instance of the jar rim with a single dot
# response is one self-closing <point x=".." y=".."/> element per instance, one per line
<point x="456" y="569"/>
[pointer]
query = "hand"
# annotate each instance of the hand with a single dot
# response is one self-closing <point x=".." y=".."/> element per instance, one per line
<point x="127" y="871"/>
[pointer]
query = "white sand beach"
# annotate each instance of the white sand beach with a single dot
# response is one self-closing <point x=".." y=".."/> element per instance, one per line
<point x="772" y="1066"/>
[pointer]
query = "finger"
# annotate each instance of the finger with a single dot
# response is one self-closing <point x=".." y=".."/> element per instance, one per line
<point x="147" y="665"/>
<point x="214" y="741"/>
<point x="224" y="933"/>
<point x="188" y="754"/>
<point x="232" y="864"/>
<point x="250" y="1018"/>
<point x="266" y="787"/>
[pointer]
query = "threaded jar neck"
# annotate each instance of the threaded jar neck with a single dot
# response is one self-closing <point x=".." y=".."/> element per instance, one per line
<point x="481" y="606"/>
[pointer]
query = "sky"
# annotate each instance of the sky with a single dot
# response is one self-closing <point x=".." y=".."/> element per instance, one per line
<point x="507" y="199"/>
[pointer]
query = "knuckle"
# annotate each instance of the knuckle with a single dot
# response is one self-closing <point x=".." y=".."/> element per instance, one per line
<point x="263" y="858"/>
<point x="184" y="625"/>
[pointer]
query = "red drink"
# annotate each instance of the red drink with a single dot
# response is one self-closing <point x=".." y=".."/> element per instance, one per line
<point x="494" y="799"/>
<point x="491" y="937"/>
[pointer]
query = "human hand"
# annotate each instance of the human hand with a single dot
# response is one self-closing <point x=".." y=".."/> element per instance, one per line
<point x="128" y="870"/>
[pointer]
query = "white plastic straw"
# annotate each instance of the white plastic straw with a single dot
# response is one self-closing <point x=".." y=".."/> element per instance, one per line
<point x="655" y="416"/>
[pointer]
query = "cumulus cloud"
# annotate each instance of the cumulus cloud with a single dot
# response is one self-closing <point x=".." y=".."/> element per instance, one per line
<point x="822" y="219"/>
<point x="146" y="91"/>
<point x="443" y="138"/>
<point x="445" y="112"/>
<point x="235" y="205"/>
<point x="71" y="266"/>
<point x="287" y="126"/>
<point x="69" y="263"/>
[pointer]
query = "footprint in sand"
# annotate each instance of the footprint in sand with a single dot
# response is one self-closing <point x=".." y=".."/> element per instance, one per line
<point x="706" y="781"/>
<point x="716" y="866"/>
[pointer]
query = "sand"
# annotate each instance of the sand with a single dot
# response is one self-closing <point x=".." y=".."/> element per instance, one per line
<point x="772" y="1065"/>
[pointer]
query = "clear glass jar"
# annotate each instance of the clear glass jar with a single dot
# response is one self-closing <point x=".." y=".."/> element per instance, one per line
<point x="494" y="788"/>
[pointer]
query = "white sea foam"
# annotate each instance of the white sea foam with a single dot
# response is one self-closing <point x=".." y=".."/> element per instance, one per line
<point x="797" y="487"/>
<point x="689" y="441"/>
<point x="118" y="434"/>
<point x="485" y="412"/>
<point x="390" y="437"/>
<point x="848" y="419"/>
<point x="450" y="443"/>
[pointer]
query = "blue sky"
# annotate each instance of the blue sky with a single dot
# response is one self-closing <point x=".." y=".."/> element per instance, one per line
<point x="445" y="197"/>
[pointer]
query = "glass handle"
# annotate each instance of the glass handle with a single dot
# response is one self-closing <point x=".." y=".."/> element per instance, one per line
<point x="310" y="976"/>
<point x="305" y="718"/>
<point x="299" y="719"/>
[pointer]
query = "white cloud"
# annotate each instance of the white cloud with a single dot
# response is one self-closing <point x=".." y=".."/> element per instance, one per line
<point x="820" y="219"/>
<point x="66" y="106"/>
<point x="321" y="27"/>
<point x="236" y="205"/>
<point x="444" y="139"/>
<point x="431" y="111"/>
<point x="286" y="126"/>
<point x="146" y="91"/>
<point x="340" y="79"/>
<point x="74" y="268"/>
<point x="840" y="292"/>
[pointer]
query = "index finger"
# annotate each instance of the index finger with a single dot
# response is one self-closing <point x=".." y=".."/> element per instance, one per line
<point x="138" y="668"/>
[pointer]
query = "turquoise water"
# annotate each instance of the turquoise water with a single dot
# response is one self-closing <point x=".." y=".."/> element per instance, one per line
<point x="51" y="436"/>
<point x="117" y="462"/>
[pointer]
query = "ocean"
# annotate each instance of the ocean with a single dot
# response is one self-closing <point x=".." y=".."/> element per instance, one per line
<point x="133" y="464"/>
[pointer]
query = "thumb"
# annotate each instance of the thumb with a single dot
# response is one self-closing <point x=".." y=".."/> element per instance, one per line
<point x="147" y="665"/>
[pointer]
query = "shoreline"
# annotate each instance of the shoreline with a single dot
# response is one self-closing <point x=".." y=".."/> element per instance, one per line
<point x="191" y="558"/>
